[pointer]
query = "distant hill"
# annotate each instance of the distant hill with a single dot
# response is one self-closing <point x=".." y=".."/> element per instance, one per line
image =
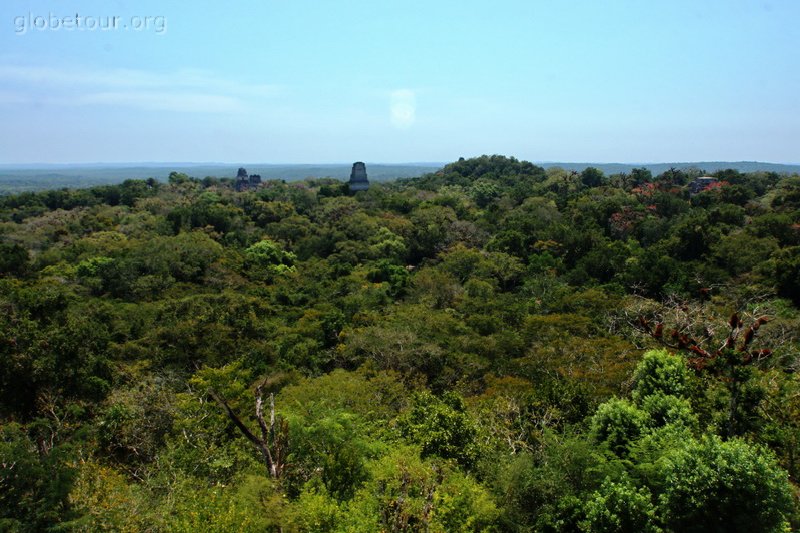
<point x="20" y="178"/>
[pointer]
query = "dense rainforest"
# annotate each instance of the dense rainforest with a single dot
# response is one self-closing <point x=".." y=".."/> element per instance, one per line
<point x="490" y="347"/>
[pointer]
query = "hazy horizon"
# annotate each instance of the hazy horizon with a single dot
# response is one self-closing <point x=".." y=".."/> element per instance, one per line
<point x="145" y="163"/>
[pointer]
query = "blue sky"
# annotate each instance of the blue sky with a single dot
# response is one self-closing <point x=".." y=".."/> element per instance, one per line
<point x="302" y="81"/>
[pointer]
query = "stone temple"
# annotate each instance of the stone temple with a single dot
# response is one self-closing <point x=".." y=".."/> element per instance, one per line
<point x="358" y="177"/>
<point x="244" y="182"/>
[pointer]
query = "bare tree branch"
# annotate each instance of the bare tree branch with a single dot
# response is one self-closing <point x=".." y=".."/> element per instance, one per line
<point x="273" y="445"/>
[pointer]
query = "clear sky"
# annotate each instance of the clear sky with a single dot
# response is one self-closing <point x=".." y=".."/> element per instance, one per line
<point x="311" y="81"/>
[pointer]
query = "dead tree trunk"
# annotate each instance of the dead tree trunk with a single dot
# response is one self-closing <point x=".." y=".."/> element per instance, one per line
<point x="274" y="441"/>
